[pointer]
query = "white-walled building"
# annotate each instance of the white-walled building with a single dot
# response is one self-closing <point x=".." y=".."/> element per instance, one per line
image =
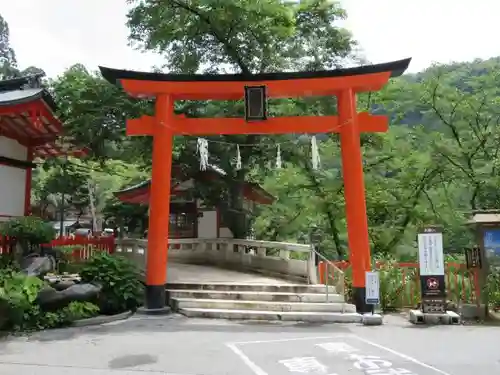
<point x="29" y="130"/>
<point x="190" y="217"/>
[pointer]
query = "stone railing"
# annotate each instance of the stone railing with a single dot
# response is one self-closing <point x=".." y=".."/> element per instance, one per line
<point x="293" y="261"/>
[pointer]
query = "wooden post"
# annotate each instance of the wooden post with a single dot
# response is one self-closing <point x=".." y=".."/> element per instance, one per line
<point x="27" y="185"/>
<point x="354" y="187"/>
<point x="159" y="216"/>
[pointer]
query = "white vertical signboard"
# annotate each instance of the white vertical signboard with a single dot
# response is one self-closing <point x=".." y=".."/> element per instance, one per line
<point x="372" y="288"/>
<point x="432" y="277"/>
<point x="430" y="252"/>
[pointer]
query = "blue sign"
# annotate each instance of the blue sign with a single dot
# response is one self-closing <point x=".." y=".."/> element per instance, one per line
<point x="492" y="243"/>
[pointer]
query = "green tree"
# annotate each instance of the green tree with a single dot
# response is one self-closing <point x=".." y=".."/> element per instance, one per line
<point x="245" y="36"/>
<point x="95" y="112"/>
<point x="468" y="142"/>
<point x="60" y="184"/>
<point x="8" y="61"/>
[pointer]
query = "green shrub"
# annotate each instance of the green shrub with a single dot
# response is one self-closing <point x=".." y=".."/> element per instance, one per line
<point x="122" y="289"/>
<point x="393" y="292"/>
<point x="78" y="310"/>
<point x="69" y="267"/>
<point x="9" y="263"/>
<point x="19" y="311"/>
<point x="493" y="289"/>
<point x="396" y="285"/>
<point x="29" y="231"/>
<point x="66" y="262"/>
<point x="18" y="293"/>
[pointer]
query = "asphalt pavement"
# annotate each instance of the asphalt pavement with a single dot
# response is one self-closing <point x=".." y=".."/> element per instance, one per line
<point x="175" y="345"/>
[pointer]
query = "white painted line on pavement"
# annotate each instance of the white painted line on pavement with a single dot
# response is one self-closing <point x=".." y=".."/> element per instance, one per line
<point x="401" y="355"/>
<point x="289" y="339"/>
<point x="252" y="365"/>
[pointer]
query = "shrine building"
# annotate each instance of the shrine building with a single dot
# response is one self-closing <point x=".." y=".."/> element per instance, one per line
<point x="189" y="216"/>
<point x="29" y="130"/>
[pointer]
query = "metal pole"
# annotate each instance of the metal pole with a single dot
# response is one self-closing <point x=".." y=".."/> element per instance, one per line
<point x="326" y="279"/>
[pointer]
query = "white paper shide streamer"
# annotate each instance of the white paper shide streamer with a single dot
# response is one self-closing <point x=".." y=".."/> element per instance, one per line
<point x="278" y="157"/>
<point x="238" y="158"/>
<point x="316" y="160"/>
<point x="203" y="152"/>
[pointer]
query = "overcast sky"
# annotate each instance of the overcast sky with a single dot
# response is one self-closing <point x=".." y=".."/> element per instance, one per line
<point x="55" y="34"/>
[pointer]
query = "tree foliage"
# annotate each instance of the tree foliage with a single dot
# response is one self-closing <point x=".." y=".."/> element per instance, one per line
<point x="8" y="60"/>
<point x="94" y="112"/>
<point x="243" y="36"/>
<point x="438" y="161"/>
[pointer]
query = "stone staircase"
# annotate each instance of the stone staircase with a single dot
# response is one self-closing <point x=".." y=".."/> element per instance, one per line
<point x="271" y="302"/>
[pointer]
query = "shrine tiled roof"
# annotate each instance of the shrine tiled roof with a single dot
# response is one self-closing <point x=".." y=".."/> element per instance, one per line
<point x="24" y="89"/>
<point x="27" y="115"/>
<point x="139" y="193"/>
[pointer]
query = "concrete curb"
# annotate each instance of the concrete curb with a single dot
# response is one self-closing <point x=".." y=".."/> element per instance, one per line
<point x="101" y="319"/>
<point x="372" y="319"/>
<point x="418" y="317"/>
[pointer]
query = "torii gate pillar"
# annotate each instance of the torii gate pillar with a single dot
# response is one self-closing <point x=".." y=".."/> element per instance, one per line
<point x="159" y="214"/>
<point x="354" y="193"/>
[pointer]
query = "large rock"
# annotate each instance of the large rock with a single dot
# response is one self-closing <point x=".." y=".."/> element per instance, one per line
<point x="63" y="284"/>
<point x="38" y="265"/>
<point x="54" y="252"/>
<point x="52" y="299"/>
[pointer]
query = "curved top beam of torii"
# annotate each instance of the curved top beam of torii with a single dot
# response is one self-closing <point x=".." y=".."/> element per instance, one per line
<point x="231" y="86"/>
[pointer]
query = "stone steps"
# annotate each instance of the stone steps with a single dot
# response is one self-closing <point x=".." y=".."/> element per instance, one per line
<point x="298" y="316"/>
<point x="272" y="288"/>
<point x="255" y="296"/>
<point x="239" y="305"/>
<point x="272" y="302"/>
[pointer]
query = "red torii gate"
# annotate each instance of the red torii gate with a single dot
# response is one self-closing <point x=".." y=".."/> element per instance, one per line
<point x="167" y="88"/>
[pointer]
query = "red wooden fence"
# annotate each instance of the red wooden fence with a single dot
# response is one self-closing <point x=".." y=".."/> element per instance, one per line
<point x="6" y="245"/>
<point x="461" y="284"/>
<point x="81" y="247"/>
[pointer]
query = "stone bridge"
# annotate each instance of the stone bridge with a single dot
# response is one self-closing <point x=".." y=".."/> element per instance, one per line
<point x="247" y="279"/>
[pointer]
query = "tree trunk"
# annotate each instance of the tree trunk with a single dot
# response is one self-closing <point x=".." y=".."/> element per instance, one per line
<point x="238" y="223"/>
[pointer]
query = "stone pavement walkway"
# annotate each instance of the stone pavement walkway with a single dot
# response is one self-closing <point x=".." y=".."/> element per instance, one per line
<point x="178" y="272"/>
<point x="176" y="345"/>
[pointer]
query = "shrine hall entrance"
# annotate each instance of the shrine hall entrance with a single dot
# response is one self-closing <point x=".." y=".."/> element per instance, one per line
<point x="255" y="89"/>
<point x="183" y="221"/>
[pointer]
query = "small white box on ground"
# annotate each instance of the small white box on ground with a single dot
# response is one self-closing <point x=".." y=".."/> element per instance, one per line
<point x="370" y="319"/>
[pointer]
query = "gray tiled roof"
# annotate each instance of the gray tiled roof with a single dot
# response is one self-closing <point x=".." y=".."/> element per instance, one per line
<point x="23" y="90"/>
<point x="19" y="96"/>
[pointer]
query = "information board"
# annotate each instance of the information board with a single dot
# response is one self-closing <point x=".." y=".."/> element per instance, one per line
<point x="431" y="262"/>
<point x="430" y="252"/>
<point x="372" y="296"/>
